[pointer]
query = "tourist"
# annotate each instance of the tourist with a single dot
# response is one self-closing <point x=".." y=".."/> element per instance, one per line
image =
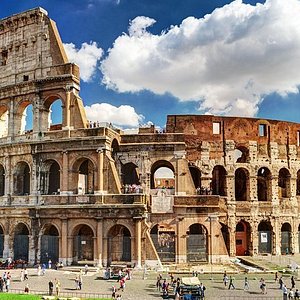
<point x="50" y="284"/>
<point x="22" y="275"/>
<point x="297" y="295"/>
<point x="280" y="283"/>
<point x="284" y="292"/>
<point x="291" y="295"/>
<point x="7" y="283"/>
<point x="202" y="289"/>
<point x="86" y="268"/>
<point x="49" y="264"/>
<point x="26" y="290"/>
<point x="25" y="274"/>
<point x="113" y="295"/>
<point x="276" y="276"/>
<point x="57" y="287"/>
<point x="39" y="269"/>
<point x="43" y="269"/>
<point x="231" y="283"/>
<point x="76" y="283"/>
<point x="158" y="283"/>
<point x="80" y="282"/>
<point x="293" y="282"/>
<point x="263" y="286"/>
<point x="1" y="284"/>
<point x="225" y="279"/>
<point x="246" y="284"/>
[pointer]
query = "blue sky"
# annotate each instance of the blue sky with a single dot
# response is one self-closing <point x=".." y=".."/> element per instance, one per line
<point x="180" y="56"/>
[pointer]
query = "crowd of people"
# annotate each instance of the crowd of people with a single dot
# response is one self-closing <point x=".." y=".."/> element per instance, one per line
<point x="132" y="189"/>
<point x="123" y="276"/>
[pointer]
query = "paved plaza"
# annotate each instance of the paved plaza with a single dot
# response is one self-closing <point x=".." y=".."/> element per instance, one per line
<point x="145" y="289"/>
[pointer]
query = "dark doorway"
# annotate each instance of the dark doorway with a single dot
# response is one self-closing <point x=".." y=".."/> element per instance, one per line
<point x="50" y="245"/>
<point x="21" y="242"/>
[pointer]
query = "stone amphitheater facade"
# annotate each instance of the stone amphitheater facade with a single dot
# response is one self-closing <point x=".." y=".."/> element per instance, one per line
<point x="80" y="192"/>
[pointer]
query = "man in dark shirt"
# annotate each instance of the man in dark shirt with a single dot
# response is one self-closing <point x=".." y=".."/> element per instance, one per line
<point x="50" y="288"/>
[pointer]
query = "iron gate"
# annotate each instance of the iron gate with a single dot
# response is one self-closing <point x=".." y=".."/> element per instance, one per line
<point x="21" y="246"/>
<point x="119" y="248"/>
<point x="196" y="248"/>
<point x="49" y="248"/>
<point x="83" y="247"/>
<point x="164" y="243"/>
<point x="265" y="242"/>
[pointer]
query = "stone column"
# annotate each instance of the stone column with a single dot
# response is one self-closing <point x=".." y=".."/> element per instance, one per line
<point x="7" y="251"/>
<point x="274" y="191"/>
<point x="138" y="243"/>
<point x="66" y="110"/>
<point x="180" y="255"/>
<point x="100" y="171"/>
<point x="254" y="237"/>
<point x="99" y="242"/>
<point x="63" y="242"/>
<point x="64" y="179"/>
<point x="232" y="225"/>
<point x="230" y="188"/>
<point x="31" y="250"/>
<point x="104" y="251"/>
<point x="253" y="187"/>
<point x="70" y="250"/>
<point x="179" y="179"/>
<point x="276" y="242"/>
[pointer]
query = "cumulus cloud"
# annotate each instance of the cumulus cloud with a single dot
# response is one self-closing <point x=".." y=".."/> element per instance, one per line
<point x="123" y="116"/>
<point x="228" y="60"/>
<point x="87" y="58"/>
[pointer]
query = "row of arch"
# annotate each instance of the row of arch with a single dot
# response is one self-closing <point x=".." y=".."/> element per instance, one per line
<point x="119" y="243"/>
<point x="24" y="116"/>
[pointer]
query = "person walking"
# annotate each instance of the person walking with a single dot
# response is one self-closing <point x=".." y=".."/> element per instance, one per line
<point x="280" y="283"/>
<point x="291" y="294"/>
<point x="284" y="292"/>
<point x="57" y="287"/>
<point x="263" y="286"/>
<point x="25" y="274"/>
<point x="26" y="289"/>
<point x="231" y="285"/>
<point x="293" y="282"/>
<point x="50" y="284"/>
<point x="225" y="279"/>
<point x="297" y="295"/>
<point x="246" y="284"/>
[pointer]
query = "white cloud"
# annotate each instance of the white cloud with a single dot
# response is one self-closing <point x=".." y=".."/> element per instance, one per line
<point x="86" y="58"/>
<point x="228" y="60"/>
<point x="123" y="115"/>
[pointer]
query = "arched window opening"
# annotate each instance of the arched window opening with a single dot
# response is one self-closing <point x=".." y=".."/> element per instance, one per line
<point x="3" y="121"/>
<point x="114" y="149"/>
<point x="219" y="181"/>
<point x="164" y="178"/>
<point x="55" y="115"/>
<point x="241" y="155"/>
<point x="2" y="180"/>
<point x="119" y="244"/>
<point x="265" y="232"/>
<point x="241" y="184"/>
<point x="27" y="120"/>
<point x="50" y="245"/>
<point x="196" y="176"/>
<point x="86" y="178"/>
<point x="130" y="174"/>
<point x="22" y="179"/>
<point x="286" y="239"/>
<point x="50" y="178"/>
<point x="264" y="184"/>
<point x="1" y="241"/>
<point x="242" y="238"/>
<point x="197" y="246"/>
<point x="163" y="238"/>
<point x="21" y="242"/>
<point x="284" y="183"/>
<point x="83" y="249"/>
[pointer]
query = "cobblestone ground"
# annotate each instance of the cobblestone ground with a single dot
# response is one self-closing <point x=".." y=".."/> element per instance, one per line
<point x="145" y="289"/>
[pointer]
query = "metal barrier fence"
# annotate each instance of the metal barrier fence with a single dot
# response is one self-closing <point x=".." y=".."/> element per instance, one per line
<point x="64" y="294"/>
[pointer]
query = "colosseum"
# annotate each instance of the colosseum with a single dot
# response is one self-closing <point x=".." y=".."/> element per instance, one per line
<point x="82" y="192"/>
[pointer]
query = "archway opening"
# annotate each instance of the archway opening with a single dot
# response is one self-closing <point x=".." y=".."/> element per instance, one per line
<point x="119" y="244"/>
<point x="286" y="239"/>
<point x="163" y="238"/>
<point x="21" y="242"/>
<point x="265" y="232"/>
<point x="197" y="246"/>
<point x="284" y="183"/>
<point x="196" y="176"/>
<point x="50" y="178"/>
<point x="162" y="175"/>
<point x="264" y="183"/>
<point x="27" y="119"/>
<point x="83" y="249"/>
<point x="219" y="181"/>
<point x="241" y="154"/>
<point x="50" y="244"/>
<point x="114" y="149"/>
<point x="86" y="177"/>
<point x="130" y="174"/>
<point x="241" y="184"/>
<point x="55" y="116"/>
<point x="3" y="121"/>
<point x="242" y="238"/>
<point x="226" y="236"/>
<point x="22" y="179"/>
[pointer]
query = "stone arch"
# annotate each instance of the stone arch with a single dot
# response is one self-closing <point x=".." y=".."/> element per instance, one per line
<point x="83" y="176"/>
<point x="241" y="154"/>
<point x="4" y="120"/>
<point x="219" y="181"/>
<point x="197" y="243"/>
<point x="242" y="185"/>
<point x="163" y="238"/>
<point x="21" y="242"/>
<point x="130" y="174"/>
<point x="49" y="243"/>
<point x="53" y="102"/>
<point x="286" y="238"/>
<point x="25" y="107"/>
<point x="196" y="176"/>
<point x="50" y="177"/>
<point x="242" y="238"/>
<point x="162" y="182"/>
<point x="83" y="243"/>
<point x="119" y="244"/>
<point x="284" y="184"/>
<point x="265" y="237"/>
<point x="264" y="184"/>
<point x="2" y="180"/>
<point x="22" y="178"/>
